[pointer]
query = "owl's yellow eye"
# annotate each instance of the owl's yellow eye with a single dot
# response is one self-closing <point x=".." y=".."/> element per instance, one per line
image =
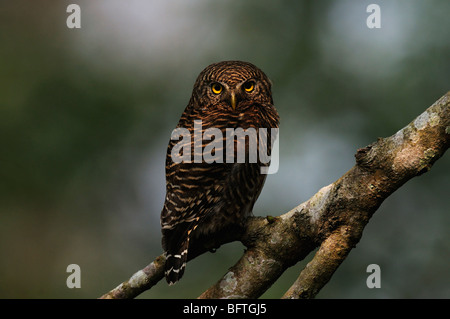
<point x="216" y="88"/>
<point x="249" y="86"/>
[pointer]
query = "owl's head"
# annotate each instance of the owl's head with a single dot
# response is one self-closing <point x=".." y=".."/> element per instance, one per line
<point x="231" y="85"/>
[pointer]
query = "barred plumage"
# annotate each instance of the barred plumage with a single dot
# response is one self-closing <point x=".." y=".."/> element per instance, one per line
<point x="205" y="199"/>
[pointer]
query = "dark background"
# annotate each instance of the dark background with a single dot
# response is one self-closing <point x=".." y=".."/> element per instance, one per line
<point x="86" y="115"/>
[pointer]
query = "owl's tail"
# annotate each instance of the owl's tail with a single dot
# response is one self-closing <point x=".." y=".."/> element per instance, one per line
<point x="177" y="250"/>
<point x="176" y="262"/>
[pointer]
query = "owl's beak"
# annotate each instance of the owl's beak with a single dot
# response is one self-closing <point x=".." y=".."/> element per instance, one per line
<point x="233" y="100"/>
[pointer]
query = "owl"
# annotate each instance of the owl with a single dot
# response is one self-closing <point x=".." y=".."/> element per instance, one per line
<point x="207" y="197"/>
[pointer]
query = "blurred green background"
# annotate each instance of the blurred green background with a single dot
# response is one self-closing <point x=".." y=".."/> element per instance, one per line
<point x="86" y="115"/>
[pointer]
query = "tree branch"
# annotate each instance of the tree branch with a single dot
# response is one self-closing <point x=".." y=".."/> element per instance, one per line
<point x="333" y="219"/>
<point x="318" y="272"/>
<point x="141" y="281"/>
